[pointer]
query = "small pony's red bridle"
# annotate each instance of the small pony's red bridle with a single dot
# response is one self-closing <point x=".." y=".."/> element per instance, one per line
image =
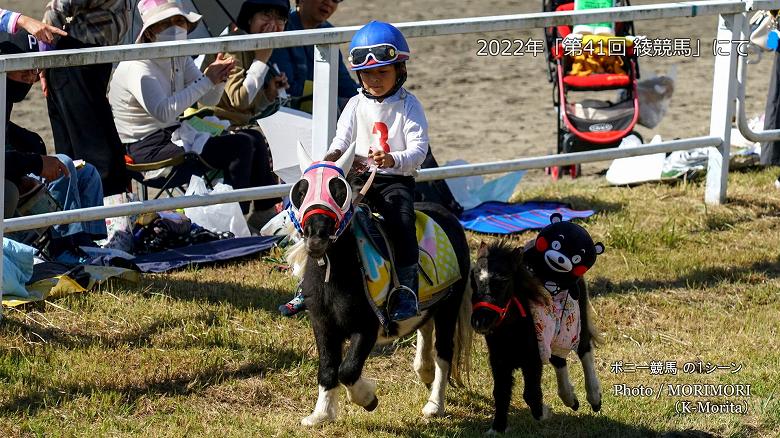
<point x="502" y="311"/>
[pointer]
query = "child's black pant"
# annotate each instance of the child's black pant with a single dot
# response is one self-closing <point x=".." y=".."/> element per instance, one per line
<point x="393" y="197"/>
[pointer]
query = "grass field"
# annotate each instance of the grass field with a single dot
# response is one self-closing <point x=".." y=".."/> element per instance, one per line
<point x="203" y="352"/>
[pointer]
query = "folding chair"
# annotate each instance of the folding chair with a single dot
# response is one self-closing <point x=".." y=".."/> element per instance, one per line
<point x="170" y="175"/>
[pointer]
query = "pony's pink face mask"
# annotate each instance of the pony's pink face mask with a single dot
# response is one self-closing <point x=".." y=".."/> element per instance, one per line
<point x="323" y="189"/>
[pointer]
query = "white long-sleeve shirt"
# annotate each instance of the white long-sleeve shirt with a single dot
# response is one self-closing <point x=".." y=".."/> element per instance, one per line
<point x="397" y="125"/>
<point x="150" y="95"/>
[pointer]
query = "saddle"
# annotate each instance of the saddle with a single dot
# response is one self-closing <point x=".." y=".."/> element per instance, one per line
<point x="438" y="265"/>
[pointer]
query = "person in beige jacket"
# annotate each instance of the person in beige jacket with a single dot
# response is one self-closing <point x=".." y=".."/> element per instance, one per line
<point x="253" y="86"/>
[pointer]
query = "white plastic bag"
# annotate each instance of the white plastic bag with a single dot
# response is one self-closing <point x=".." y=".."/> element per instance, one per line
<point x="633" y="170"/>
<point x="217" y="218"/>
<point x="120" y="229"/>
<point x="654" y="97"/>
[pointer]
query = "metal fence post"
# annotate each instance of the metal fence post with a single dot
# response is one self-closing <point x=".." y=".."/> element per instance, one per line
<point x="726" y="50"/>
<point x="3" y="121"/>
<point x="324" y="108"/>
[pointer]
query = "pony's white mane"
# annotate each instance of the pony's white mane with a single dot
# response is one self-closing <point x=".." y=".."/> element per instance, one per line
<point x="296" y="257"/>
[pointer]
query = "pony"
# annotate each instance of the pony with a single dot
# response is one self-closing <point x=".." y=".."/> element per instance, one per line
<point x="340" y="311"/>
<point x="504" y="293"/>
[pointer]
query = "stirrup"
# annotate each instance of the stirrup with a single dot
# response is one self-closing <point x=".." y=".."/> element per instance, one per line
<point x="392" y="303"/>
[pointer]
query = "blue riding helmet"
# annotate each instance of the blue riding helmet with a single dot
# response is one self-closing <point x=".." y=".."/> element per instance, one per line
<point x="377" y="44"/>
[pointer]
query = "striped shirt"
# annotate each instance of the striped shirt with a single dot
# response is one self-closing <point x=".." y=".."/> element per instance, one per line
<point x="100" y="22"/>
<point x="8" y="20"/>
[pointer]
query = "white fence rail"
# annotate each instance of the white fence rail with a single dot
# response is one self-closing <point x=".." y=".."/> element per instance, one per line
<point x="732" y="20"/>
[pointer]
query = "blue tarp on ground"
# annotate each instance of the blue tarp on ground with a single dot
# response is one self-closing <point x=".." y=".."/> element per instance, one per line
<point x="209" y="252"/>
<point x="503" y="218"/>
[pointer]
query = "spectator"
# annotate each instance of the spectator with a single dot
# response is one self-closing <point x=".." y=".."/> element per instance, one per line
<point x="252" y="88"/>
<point x="18" y="85"/>
<point x="78" y="109"/>
<point x="298" y="62"/>
<point x="72" y="188"/>
<point x="148" y="96"/>
<point x="72" y="185"/>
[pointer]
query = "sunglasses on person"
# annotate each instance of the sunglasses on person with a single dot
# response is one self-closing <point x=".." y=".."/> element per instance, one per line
<point x="359" y="56"/>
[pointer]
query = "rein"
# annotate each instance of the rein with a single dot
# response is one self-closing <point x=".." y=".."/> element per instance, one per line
<point x="359" y="197"/>
<point x="502" y="311"/>
<point x="365" y="188"/>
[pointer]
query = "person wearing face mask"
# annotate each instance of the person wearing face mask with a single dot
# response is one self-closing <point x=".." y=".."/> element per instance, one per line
<point x="148" y="96"/>
<point x="79" y="113"/>
<point x="297" y="63"/>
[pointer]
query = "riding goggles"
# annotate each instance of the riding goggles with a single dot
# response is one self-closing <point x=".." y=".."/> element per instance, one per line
<point x="360" y="56"/>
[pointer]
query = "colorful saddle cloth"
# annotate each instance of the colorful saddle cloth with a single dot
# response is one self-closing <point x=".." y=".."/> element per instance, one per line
<point x="438" y="263"/>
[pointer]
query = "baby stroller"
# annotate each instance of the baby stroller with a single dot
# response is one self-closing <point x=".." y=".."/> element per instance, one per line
<point x="591" y="123"/>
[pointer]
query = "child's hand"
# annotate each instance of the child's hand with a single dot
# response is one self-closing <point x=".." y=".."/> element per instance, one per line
<point x="383" y="159"/>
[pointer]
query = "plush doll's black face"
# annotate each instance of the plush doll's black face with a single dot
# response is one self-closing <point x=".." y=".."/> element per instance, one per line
<point x="563" y="252"/>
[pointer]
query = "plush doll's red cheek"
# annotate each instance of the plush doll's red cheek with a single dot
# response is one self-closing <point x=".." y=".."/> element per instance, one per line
<point x="541" y="244"/>
<point x="579" y="271"/>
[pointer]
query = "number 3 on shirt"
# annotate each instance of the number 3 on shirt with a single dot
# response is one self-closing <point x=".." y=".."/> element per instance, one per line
<point x="381" y="129"/>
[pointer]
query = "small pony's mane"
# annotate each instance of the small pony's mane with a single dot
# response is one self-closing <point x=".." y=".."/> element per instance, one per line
<point x="296" y="257"/>
<point x="504" y="252"/>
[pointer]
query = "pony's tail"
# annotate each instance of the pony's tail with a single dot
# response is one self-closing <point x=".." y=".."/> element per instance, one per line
<point x="461" y="356"/>
<point x="596" y="338"/>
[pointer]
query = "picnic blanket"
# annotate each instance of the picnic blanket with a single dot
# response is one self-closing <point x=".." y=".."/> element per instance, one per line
<point x="53" y="280"/>
<point x="504" y="218"/>
<point x="209" y="252"/>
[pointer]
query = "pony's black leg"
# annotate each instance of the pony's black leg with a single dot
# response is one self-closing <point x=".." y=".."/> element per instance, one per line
<point x="565" y="388"/>
<point x="502" y="390"/>
<point x="584" y="350"/>
<point x="329" y="349"/>
<point x="360" y="391"/>
<point x="532" y="390"/>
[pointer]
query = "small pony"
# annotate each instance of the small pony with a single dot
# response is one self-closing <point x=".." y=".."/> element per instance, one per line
<point x="335" y="292"/>
<point x="517" y="295"/>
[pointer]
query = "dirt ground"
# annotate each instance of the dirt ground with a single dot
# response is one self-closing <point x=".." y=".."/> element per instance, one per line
<point x="492" y="108"/>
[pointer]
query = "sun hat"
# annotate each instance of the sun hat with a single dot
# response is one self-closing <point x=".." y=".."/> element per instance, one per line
<point x="155" y="11"/>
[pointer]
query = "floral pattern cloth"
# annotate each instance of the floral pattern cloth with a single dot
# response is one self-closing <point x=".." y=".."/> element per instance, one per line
<point x="557" y="326"/>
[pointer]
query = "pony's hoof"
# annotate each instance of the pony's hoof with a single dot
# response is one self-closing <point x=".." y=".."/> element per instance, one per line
<point x="371" y="406"/>
<point x="595" y="402"/>
<point x="493" y="432"/>
<point x="432" y="409"/>
<point x="316" y="419"/>
<point x="576" y="405"/>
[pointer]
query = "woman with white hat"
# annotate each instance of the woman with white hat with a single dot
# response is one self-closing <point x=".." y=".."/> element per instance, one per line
<point x="148" y="96"/>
